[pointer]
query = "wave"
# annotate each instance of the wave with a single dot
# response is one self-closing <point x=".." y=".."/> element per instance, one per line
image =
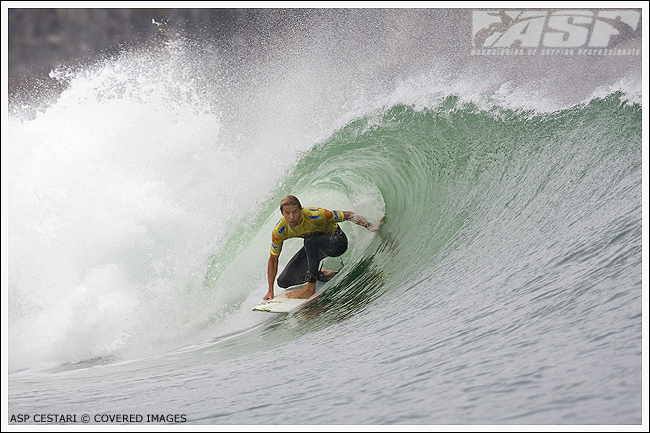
<point x="472" y="195"/>
<point x="141" y="197"/>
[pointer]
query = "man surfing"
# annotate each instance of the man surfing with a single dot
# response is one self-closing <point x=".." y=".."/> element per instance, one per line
<point x="322" y="238"/>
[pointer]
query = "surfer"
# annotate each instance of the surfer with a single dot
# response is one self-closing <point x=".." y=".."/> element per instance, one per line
<point x="322" y="238"/>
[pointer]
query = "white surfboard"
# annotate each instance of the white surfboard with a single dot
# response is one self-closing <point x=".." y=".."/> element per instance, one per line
<point x="281" y="304"/>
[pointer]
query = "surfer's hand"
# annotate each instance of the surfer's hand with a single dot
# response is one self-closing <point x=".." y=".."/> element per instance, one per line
<point x="269" y="295"/>
<point x="375" y="227"/>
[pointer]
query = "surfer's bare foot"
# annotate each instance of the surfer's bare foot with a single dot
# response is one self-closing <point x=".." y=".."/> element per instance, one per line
<point x="304" y="293"/>
<point x="327" y="274"/>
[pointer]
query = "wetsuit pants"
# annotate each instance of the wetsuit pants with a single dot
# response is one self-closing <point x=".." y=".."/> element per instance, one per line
<point x="304" y="266"/>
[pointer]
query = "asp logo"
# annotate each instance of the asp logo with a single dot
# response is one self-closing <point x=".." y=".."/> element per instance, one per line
<point x="553" y="29"/>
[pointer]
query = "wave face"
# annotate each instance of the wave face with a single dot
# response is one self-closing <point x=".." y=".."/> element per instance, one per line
<point x="140" y="202"/>
<point x="520" y="205"/>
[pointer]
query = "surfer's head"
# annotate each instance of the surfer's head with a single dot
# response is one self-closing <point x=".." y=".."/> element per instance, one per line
<point x="290" y="200"/>
<point x="290" y="208"/>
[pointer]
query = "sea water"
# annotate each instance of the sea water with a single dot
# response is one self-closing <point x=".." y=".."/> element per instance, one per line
<point x="504" y="287"/>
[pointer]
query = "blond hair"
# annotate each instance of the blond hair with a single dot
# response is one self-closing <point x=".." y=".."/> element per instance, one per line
<point x="290" y="200"/>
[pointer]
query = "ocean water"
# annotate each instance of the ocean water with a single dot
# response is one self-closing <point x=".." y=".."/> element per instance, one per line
<point x="504" y="288"/>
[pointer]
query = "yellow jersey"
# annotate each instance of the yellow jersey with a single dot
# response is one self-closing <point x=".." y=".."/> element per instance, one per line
<point x="314" y="220"/>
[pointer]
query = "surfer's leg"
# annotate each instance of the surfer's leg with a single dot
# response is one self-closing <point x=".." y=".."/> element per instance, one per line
<point x="337" y="245"/>
<point x="314" y="256"/>
<point x="319" y="246"/>
<point x="316" y="248"/>
<point x="296" y="270"/>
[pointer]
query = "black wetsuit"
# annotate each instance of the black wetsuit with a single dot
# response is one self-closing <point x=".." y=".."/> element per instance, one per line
<point x="303" y="266"/>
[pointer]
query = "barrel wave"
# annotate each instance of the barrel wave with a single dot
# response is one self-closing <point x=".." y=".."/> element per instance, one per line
<point x="492" y="202"/>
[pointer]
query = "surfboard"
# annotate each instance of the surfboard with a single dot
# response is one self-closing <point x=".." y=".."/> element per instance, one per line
<point x="281" y="304"/>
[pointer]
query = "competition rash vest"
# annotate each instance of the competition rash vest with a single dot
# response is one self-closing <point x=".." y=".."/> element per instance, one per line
<point x="314" y="220"/>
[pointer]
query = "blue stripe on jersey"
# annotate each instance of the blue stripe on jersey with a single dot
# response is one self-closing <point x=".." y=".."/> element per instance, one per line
<point x="336" y="215"/>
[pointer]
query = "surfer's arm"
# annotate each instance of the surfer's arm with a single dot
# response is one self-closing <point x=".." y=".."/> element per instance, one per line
<point x="271" y="272"/>
<point x="361" y="221"/>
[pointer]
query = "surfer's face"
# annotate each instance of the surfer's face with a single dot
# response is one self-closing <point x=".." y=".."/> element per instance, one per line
<point x="292" y="215"/>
